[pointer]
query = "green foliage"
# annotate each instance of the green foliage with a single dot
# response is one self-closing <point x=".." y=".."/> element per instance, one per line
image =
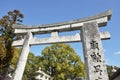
<point x="2" y="50"/>
<point x="13" y="17"/>
<point x="34" y="62"/>
<point x="31" y="66"/>
<point x="62" y="62"/>
<point x="7" y="35"/>
<point x="2" y="56"/>
<point x="15" y="57"/>
<point x="59" y="59"/>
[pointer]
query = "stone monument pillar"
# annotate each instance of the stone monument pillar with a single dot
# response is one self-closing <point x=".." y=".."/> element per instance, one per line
<point x="23" y="58"/>
<point x="93" y="52"/>
<point x="90" y="37"/>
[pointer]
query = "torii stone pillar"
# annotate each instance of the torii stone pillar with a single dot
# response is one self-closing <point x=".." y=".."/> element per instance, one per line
<point x="93" y="52"/>
<point x="23" y="58"/>
<point x="90" y="37"/>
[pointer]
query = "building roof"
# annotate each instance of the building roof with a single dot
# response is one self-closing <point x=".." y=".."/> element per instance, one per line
<point x="117" y="73"/>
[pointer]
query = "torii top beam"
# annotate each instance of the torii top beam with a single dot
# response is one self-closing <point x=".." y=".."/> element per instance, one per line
<point x="101" y="19"/>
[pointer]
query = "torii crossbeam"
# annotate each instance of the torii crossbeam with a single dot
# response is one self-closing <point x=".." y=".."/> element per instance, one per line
<point x="89" y="36"/>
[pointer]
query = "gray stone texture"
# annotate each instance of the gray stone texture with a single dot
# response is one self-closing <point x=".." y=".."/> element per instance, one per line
<point x="90" y="37"/>
<point x="101" y="20"/>
<point x="93" y="52"/>
<point x="22" y="58"/>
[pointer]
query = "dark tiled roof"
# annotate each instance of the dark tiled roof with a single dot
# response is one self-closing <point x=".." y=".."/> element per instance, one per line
<point x="117" y="73"/>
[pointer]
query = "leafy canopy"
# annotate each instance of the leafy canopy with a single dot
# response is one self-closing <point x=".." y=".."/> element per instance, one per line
<point x="61" y="61"/>
<point x="6" y="37"/>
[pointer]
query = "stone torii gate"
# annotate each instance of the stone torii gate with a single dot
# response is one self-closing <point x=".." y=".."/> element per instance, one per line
<point x="89" y="36"/>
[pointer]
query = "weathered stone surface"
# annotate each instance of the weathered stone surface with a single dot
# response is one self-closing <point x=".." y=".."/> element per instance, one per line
<point x="107" y="13"/>
<point x="22" y="59"/>
<point x="54" y="34"/>
<point x="101" y="20"/>
<point x="90" y="35"/>
<point x="56" y="39"/>
<point x="93" y="52"/>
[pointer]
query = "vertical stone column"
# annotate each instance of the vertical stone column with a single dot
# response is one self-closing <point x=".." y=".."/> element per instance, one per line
<point x="93" y="52"/>
<point x="23" y="58"/>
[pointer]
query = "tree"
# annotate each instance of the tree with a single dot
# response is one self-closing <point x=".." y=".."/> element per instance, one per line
<point x="31" y="66"/>
<point x="34" y="62"/>
<point x="7" y="35"/>
<point x="61" y="62"/>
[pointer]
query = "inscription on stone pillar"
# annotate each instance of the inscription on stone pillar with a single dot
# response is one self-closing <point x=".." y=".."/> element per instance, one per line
<point x="93" y="52"/>
<point x="91" y="39"/>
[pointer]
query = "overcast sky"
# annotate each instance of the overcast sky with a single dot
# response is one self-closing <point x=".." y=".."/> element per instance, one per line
<point x="51" y="11"/>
